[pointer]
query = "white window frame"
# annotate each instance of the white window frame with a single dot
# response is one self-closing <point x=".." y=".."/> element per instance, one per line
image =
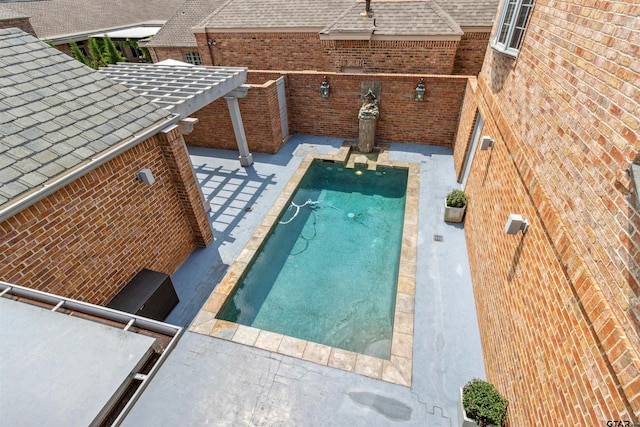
<point x="509" y="26"/>
<point x="190" y="58"/>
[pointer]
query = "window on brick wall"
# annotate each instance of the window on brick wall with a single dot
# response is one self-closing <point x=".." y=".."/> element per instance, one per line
<point x="511" y="27"/>
<point x="192" y="58"/>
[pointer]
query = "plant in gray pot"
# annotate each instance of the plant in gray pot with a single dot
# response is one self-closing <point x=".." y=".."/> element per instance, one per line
<point x="481" y="405"/>
<point x="455" y="205"/>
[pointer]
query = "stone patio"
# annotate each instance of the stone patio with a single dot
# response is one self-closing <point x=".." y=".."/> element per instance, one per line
<point x="249" y="377"/>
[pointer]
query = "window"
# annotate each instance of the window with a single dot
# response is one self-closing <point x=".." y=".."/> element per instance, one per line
<point x="513" y="22"/>
<point x="192" y="58"/>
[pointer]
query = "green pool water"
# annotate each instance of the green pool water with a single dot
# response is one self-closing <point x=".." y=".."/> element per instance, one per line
<point x="328" y="271"/>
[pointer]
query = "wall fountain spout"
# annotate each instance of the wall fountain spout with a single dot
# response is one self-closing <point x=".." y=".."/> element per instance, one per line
<point x="368" y="116"/>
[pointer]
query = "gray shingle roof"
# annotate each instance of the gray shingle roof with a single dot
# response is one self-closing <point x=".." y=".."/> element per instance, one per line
<point x="53" y="18"/>
<point x="276" y="14"/>
<point x="56" y="113"/>
<point x="393" y="17"/>
<point x="398" y="18"/>
<point x="471" y="13"/>
<point x="6" y="14"/>
<point x="177" y="31"/>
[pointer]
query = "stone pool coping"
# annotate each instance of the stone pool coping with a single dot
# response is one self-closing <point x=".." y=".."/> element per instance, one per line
<point x="398" y="369"/>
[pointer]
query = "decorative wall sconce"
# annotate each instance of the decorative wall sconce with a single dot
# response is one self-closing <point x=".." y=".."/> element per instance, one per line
<point x="515" y="223"/>
<point x="324" y="88"/>
<point x="211" y="42"/>
<point x="418" y="96"/>
<point x="486" y="143"/>
<point x="145" y="176"/>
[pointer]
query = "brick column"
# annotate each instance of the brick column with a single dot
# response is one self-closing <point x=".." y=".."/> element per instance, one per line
<point x="184" y="181"/>
<point x="205" y="50"/>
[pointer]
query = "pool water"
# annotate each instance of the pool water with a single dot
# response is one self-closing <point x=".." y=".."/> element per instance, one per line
<point x="328" y="271"/>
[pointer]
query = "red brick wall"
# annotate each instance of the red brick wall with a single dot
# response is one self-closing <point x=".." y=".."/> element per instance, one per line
<point x="381" y="56"/>
<point x="261" y="119"/>
<point x="470" y="53"/>
<point x="87" y="240"/>
<point x="176" y="53"/>
<point x="264" y="51"/>
<point x="401" y="119"/>
<point x="22" y="23"/>
<point x="305" y="51"/>
<point x="558" y="307"/>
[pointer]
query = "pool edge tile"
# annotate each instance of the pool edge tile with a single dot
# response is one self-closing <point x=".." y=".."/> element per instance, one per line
<point x="245" y="335"/>
<point x="342" y="359"/>
<point x="368" y="366"/>
<point x="318" y="353"/>
<point x="291" y="346"/>
<point x="268" y="340"/>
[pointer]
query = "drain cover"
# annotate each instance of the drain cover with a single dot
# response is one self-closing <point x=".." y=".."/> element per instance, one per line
<point x="438" y="238"/>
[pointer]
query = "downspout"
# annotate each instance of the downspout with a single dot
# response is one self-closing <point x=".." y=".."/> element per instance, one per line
<point x="56" y="184"/>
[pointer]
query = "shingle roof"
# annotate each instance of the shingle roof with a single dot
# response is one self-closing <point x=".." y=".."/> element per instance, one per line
<point x="393" y="17"/>
<point x="398" y="18"/>
<point x="471" y="13"/>
<point x="177" y="31"/>
<point x="52" y="18"/>
<point x="6" y="14"/>
<point x="56" y="113"/>
<point x="276" y="14"/>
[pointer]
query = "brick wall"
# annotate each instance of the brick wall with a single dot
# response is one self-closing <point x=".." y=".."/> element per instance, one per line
<point x="22" y="23"/>
<point x="470" y="53"/>
<point x="176" y="53"/>
<point x="305" y="51"/>
<point x="558" y="307"/>
<point x="261" y="119"/>
<point x="264" y="51"/>
<point x="87" y="240"/>
<point x="401" y="119"/>
<point x="388" y="56"/>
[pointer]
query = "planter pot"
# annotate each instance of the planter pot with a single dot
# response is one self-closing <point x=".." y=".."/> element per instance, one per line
<point x="452" y="214"/>
<point x="463" y="421"/>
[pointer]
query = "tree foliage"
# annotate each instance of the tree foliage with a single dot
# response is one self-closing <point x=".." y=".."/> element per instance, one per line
<point x="79" y="54"/>
<point x="110" y="52"/>
<point x="95" y="53"/>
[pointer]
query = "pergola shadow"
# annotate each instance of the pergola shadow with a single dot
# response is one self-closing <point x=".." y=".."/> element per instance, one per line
<point x="231" y="193"/>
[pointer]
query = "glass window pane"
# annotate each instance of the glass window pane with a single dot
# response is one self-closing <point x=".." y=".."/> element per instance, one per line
<point x="507" y="21"/>
<point x="515" y="38"/>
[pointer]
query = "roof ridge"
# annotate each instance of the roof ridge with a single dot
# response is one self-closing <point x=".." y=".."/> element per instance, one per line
<point x="444" y="15"/>
<point x="326" y="29"/>
<point x="205" y="20"/>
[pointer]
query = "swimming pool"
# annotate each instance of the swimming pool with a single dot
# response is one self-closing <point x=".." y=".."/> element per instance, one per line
<point x="397" y="369"/>
<point x="328" y="270"/>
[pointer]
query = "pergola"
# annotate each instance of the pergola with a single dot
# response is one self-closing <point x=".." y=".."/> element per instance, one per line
<point x="184" y="89"/>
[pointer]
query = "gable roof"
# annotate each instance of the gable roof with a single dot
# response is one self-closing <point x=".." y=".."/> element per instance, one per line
<point x="393" y="17"/>
<point x="177" y="30"/>
<point x="55" y="19"/>
<point x="397" y="18"/>
<point x="57" y="115"/>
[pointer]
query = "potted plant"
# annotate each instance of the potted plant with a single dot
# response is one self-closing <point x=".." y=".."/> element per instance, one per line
<point x="481" y="405"/>
<point x="455" y="205"/>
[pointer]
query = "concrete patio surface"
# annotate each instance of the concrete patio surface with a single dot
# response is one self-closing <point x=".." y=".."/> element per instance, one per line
<point x="209" y="381"/>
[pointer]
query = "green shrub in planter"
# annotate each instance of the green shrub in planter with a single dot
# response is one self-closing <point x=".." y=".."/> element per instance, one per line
<point x="483" y="403"/>
<point x="457" y="199"/>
